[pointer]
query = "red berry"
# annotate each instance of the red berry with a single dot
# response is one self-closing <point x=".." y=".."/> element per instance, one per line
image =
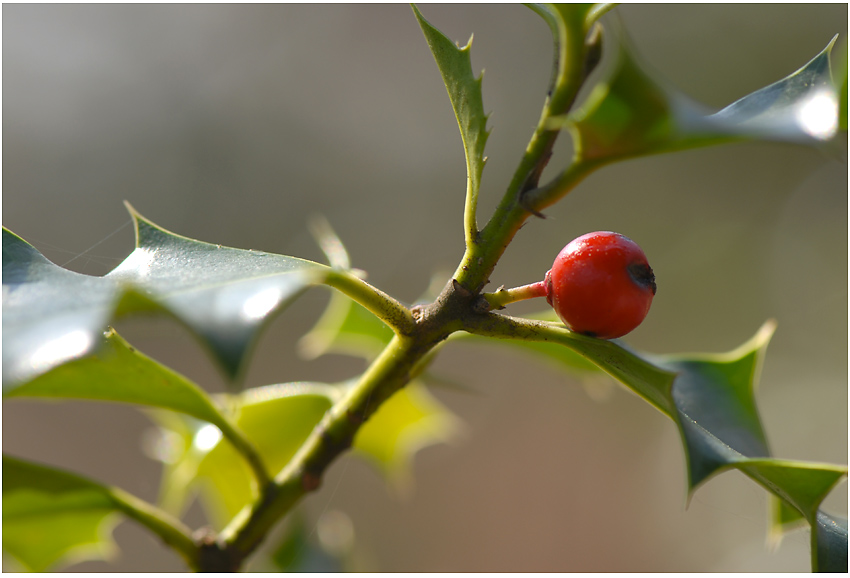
<point x="601" y="285"/>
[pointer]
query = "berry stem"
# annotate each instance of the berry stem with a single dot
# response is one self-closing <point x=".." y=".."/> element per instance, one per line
<point x="502" y="297"/>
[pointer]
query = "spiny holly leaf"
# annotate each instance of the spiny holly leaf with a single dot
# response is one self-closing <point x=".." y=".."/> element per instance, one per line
<point x="118" y="372"/>
<point x="410" y="420"/>
<point x="829" y="541"/>
<point x="629" y="113"/>
<point x="465" y="94"/>
<point x="226" y="296"/>
<point x="50" y="315"/>
<point x="711" y="399"/>
<point x="716" y="409"/>
<point x="51" y="517"/>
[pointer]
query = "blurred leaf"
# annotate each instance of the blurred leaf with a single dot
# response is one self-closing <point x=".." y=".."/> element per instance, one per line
<point x="566" y="21"/>
<point x="783" y="519"/>
<point x="842" y="84"/>
<point x="297" y="552"/>
<point x="346" y="327"/>
<point x="226" y="296"/>
<point x="410" y="420"/>
<point x="278" y="419"/>
<point x="630" y="113"/>
<point x="52" y="518"/>
<point x="118" y="372"/>
<point x="465" y="95"/>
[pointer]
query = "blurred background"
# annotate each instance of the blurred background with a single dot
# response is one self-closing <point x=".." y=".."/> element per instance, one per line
<point x="234" y="123"/>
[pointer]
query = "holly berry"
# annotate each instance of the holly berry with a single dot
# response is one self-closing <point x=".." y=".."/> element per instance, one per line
<point x="601" y="285"/>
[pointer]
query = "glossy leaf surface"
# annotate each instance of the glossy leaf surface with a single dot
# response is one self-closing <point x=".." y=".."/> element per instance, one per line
<point x="224" y="295"/>
<point x="711" y="398"/>
<point x="829" y="544"/>
<point x="630" y="113"/>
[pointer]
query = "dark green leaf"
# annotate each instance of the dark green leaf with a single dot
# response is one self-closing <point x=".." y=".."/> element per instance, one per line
<point x="829" y="544"/>
<point x="711" y="399"/>
<point x="630" y="113"/>
<point x="226" y="296"/>
<point x="50" y="315"/>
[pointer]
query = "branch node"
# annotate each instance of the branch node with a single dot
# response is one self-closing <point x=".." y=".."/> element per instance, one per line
<point x="461" y="289"/>
<point x="310" y="481"/>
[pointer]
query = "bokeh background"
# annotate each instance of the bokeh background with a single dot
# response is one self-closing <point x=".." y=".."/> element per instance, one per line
<point x="234" y="123"/>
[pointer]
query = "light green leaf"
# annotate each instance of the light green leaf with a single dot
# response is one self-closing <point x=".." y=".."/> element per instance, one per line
<point x="410" y="420"/>
<point x="225" y="296"/>
<point x="465" y="95"/>
<point x="118" y="372"/>
<point x="630" y="113"/>
<point x="278" y="419"/>
<point x="346" y="327"/>
<point x="53" y="518"/>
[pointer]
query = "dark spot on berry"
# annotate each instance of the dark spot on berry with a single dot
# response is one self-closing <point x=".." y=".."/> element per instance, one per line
<point x="643" y="275"/>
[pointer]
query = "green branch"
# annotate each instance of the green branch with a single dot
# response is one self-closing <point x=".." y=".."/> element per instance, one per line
<point x="172" y="531"/>
<point x="574" y="58"/>
<point x="332" y="436"/>
<point x="386" y="308"/>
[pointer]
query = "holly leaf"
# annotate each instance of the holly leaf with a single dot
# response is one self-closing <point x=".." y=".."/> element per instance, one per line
<point x="117" y="372"/>
<point x="711" y="398"/>
<point x="278" y="419"/>
<point x="53" y="518"/>
<point x="348" y="328"/>
<point x="631" y="113"/>
<point x="410" y="420"/>
<point x="829" y="544"/>
<point x="465" y="94"/>
<point x="225" y="296"/>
